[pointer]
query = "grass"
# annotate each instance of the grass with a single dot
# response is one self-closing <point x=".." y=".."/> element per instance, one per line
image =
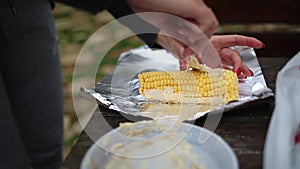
<point x="74" y="27"/>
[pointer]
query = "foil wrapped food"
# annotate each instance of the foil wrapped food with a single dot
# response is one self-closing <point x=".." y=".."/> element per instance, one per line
<point x="119" y="90"/>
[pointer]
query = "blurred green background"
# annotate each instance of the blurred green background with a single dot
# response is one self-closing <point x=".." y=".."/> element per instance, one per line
<point x="74" y="27"/>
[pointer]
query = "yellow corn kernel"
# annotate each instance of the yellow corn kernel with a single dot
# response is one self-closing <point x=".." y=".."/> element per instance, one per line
<point x="192" y="84"/>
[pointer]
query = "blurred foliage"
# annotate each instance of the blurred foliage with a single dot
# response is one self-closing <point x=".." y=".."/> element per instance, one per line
<point x="74" y="27"/>
<point x="112" y="56"/>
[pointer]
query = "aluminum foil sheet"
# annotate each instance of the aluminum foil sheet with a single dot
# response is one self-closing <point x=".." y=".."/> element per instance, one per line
<point x="119" y="90"/>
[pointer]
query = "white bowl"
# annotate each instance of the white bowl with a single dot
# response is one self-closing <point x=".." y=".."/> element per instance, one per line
<point x="189" y="146"/>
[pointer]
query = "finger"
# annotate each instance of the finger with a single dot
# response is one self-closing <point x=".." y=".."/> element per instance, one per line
<point x="186" y="57"/>
<point x="233" y="57"/>
<point x="182" y="64"/>
<point x="184" y="60"/>
<point x="177" y="48"/>
<point x="172" y="45"/>
<point x="227" y="67"/>
<point x="189" y="52"/>
<point x="242" y="76"/>
<point x="246" y="71"/>
<point x="236" y="40"/>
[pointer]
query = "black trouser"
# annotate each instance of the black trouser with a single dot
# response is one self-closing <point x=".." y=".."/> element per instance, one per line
<point x="31" y="97"/>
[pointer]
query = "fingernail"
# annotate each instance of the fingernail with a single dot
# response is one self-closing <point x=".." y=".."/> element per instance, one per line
<point x="251" y="72"/>
<point x="239" y="71"/>
<point x="263" y="45"/>
<point x="297" y="138"/>
<point x="182" y="65"/>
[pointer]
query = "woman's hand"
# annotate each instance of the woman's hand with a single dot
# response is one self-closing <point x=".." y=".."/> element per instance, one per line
<point x="192" y="28"/>
<point x="231" y="57"/>
<point x="195" y="11"/>
<point x="181" y="23"/>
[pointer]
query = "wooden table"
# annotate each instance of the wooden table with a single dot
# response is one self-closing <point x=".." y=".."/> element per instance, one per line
<point x="244" y="128"/>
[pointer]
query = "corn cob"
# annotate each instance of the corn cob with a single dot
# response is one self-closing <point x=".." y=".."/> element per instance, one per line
<point x="191" y="84"/>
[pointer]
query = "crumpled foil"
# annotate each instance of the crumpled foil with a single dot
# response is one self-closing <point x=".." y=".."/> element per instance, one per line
<point x="119" y="90"/>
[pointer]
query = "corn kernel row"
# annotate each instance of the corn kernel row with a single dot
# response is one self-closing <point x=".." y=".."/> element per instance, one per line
<point x="192" y="84"/>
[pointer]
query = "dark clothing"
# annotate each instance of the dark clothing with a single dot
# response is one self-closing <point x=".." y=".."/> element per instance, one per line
<point x="119" y="8"/>
<point x="31" y="94"/>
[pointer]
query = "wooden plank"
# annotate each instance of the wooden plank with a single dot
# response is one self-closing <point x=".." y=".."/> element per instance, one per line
<point x="102" y="121"/>
<point x="270" y="67"/>
<point x="247" y="140"/>
<point x="256" y="10"/>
